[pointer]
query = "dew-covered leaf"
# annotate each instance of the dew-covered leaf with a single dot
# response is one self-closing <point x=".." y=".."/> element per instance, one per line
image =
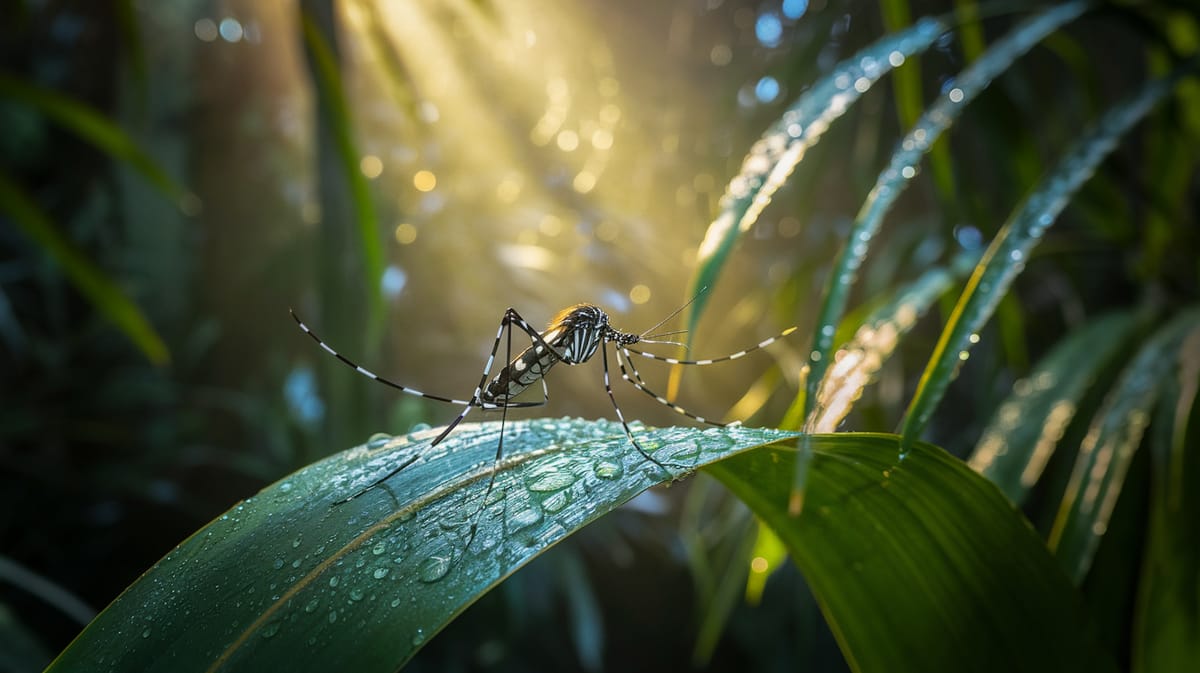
<point x="1111" y="441"/>
<point x="292" y="580"/>
<point x="903" y="166"/>
<point x="1026" y="428"/>
<point x="775" y="155"/>
<point x="1006" y="255"/>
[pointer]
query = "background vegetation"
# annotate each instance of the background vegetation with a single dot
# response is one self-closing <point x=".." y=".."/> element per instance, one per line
<point x="176" y="175"/>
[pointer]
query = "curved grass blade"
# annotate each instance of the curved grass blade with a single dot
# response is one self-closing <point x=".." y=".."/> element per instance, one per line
<point x="1005" y="257"/>
<point x="903" y="164"/>
<point x="1111" y="441"/>
<point x="1026" y="428"/>
<point x="329" y="83"/>
<point x="857" y="362"/>
<point x="103" y="293"/>
<point x="921" y="565"/>
<point x="1168" y="602"/>
<point x="775" y="155"/>
<point x="908" y="97"/>
<point x="287" y="580"/>
<point x="95" y="129"/>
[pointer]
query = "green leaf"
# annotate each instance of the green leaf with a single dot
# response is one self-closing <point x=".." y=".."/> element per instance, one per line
<point x="1112" y="439"/>
<point x="1025" y="430"/>
<point x="773" y="158"/>
<point x="96" y="129"/>
<point x="291" y="580"/>
<point x="918" y="564"/>
<point x="332" y="89"/>
<point x="1167" y="632"/>
<point x="1006" y="255"/>
<point x="91" y="281"/>
<point x="902" y="167"/>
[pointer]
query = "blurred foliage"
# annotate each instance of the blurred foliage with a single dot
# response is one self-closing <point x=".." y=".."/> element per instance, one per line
<point x="177" y="174"/>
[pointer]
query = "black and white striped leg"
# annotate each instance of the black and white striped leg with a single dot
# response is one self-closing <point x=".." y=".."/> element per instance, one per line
<point x="365" y="372"/>
<point x="510" y="316"/>
<point x="487" y="492"/>
<point x="621" y="417"/>
<point x="637" y="382"/>
<point x="506" y="322"/>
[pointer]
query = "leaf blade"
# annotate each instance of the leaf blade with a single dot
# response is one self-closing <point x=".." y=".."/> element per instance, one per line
<point x="897" y="551"/>
<point x="1006" y="255"/>
<point x="289" y="580"/>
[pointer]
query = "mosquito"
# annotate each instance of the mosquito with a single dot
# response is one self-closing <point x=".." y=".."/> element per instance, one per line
<point x="572" y="337"/>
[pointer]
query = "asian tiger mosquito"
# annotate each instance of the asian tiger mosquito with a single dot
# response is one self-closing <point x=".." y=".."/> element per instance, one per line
<point x="572" y="337"/>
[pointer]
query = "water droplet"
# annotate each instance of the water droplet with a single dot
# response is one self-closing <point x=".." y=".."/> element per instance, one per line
<point x="278" y="563"/>
<point x="296" y="542"/>
<point x="333" y="582"/>
<point x="378" y="440"/>
<point x="285" y="487"/>
<point x="312" y="605"/>
<point x="146" y="633"/>
<point x="379" y="548"/>
<point x="332" y="616"/>
<point x="524" y="518"/>
<point x="395" y="602"/>
<point x="557" y="501"/>
<point x="270" y="630"/>
<point x="687" y="451"/>
<point x="356" y="594"/>
<point x="380" y="573"/>
<point x="607" y="469"/>
<point x="418" y="638"/>
<point x="434" y="568"/>
<point x="296" y="563"/>
<point x="552" y="481"/>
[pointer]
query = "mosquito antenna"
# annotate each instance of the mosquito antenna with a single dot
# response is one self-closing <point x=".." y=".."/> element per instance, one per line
<point x="676" y="312"/>
<point x="666" y="342"/>
<point x="663" y="334"/>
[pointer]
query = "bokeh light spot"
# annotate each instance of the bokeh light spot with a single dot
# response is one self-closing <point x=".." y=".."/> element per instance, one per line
<point x="584" y="182"/>
<point x="231" y="30"/>
<point x="551" y="225"/>
<point x="794" y="9"/>
<point x="206" y="30"/>
<point x="371" y="166"/>
<point x="602" y="139"/>
<point x="639" y="294"/>
<point x="567" y="140"/>
<point x="768" y="29"/>
<point x="424" y="181"/>
<point x="721" y="54"/>
<point x="405" y="233"/>
<point x="767" y="89"/>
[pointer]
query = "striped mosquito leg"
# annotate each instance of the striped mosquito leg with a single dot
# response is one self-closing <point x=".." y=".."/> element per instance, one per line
<point x="734" y="356"/>
<point x="621" y="417"/>
<point x="509" y="317"/>
<point x="637" y="382"/>
<point x="369" y="374"/>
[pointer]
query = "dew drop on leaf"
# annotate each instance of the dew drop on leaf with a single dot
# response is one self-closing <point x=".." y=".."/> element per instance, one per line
<point x="434" y="568"/>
